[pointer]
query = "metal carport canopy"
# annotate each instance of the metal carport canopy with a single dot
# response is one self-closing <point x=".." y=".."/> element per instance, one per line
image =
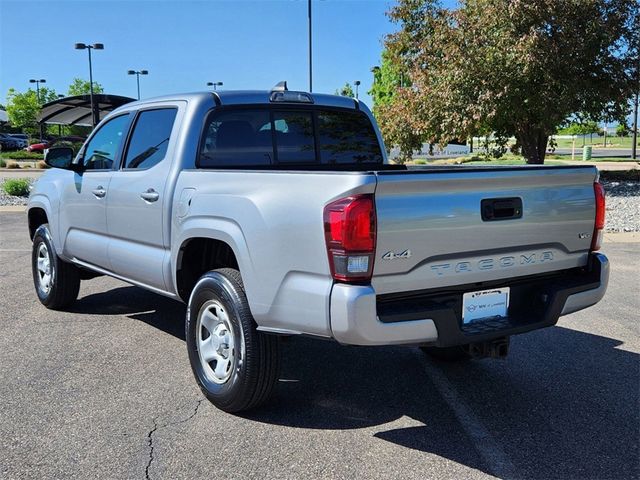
<point x="77" y="110"/>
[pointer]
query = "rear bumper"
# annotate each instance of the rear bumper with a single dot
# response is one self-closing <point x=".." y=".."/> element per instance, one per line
<point x="432" y="317"/>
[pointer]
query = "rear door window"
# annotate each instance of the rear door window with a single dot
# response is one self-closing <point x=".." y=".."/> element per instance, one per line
<point x="150" y="138"/>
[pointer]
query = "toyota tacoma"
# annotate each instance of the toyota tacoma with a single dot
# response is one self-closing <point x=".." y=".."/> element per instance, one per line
<point x="272" y="213"/>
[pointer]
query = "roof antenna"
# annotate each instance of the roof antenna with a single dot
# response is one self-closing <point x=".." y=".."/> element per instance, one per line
<point x="280" y="87"/>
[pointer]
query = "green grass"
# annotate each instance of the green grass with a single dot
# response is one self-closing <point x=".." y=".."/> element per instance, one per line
<point x="598" y="141"/>
<point x="18" y="187"/>
<point x="509" y="161"/>
<point x="593" y="159"/>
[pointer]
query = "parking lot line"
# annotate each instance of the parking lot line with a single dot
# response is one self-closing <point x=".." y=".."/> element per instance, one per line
<point x="494" y="456"/>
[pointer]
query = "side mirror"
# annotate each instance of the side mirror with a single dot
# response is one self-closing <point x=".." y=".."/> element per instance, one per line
<point x="61" y="157"/>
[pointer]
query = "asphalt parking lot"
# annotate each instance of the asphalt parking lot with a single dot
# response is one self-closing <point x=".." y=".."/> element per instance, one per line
<point x="105" y="391"/>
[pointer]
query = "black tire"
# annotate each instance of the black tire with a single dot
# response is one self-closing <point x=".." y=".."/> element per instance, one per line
<point x="254" y="363"/>
<point x="62" y="289"/>
<point x="448" y="354"/>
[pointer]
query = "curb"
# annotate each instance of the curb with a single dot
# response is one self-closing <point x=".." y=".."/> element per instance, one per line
<point x="13" y="209"/>
<point x="622" y="237"/>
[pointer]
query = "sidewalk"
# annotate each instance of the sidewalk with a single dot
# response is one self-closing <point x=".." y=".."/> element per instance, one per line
<point x="21" y="172"/>
<point x="622" y="237"/>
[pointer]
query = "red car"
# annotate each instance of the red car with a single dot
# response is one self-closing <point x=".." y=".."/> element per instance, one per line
<point x="41" y="147"/>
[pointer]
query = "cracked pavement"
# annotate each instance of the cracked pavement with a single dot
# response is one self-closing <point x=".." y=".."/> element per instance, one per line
<point x="170" y="424"/>
<point x="105" y="391"/>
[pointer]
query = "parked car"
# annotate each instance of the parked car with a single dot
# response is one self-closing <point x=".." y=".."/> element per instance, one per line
<point x="21" y="138"/>
<point x="41" y="147"/>
<point x="7" y="142"/>
<point x="276" y="213"/>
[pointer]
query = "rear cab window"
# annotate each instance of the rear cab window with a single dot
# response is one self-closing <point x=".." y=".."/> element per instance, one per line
<point x="262" y="136"/>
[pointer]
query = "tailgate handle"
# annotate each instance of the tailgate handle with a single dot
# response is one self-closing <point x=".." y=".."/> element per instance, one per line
<point x="501" y="208"/>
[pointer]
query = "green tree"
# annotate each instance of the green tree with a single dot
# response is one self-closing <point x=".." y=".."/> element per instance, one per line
<point x="346" y="91"/>
<point x="399" y="129"/>
<point x="388" y="77"/>
<point x="81" y="87"/>
<point x="580" y="128"/>
<point x="510" y="67"/>
<point x="623" y="130"/>
<point x="23" y="108"/>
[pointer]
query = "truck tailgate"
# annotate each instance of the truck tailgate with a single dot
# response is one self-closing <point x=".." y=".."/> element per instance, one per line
<point x="431" y="230"/>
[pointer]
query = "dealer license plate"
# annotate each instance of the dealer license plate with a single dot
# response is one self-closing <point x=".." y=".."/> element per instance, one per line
<point x="484" y="304"/>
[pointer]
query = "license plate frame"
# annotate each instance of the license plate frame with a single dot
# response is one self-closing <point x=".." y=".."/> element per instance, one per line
<point x="485" y="304"/>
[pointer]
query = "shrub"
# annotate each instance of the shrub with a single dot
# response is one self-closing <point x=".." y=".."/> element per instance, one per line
<point x="12" y="164"/>
<point x="22" y="155"/>
<point x="2" y="163"/>
<point x="18" y="187"/>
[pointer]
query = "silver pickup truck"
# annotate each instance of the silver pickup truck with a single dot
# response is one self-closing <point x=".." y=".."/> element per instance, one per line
<point x="276" y="213"/>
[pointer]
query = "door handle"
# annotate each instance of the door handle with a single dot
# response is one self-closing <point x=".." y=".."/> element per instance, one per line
<point x="150" y="195"/>
<point x="99" y="192"/>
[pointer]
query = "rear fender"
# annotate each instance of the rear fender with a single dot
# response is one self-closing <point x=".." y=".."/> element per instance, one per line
<point x="221" y="229"/>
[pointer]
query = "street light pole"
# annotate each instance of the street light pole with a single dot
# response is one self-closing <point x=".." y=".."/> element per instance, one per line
<point x="38" y="82"/>
<point x="137" y="74"/>
<point x="634" y="147"/>
<point x="95" y="118"/>
<point x="214" y="85"/>
<point x="357" y="84"/>
<point x="310" y="51"/>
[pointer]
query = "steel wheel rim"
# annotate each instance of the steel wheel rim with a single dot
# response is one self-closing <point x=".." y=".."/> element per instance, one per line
<point x="215" y="337"/>
<point x="45" y="269"/>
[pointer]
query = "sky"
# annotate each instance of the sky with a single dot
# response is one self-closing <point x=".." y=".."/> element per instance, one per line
<point x="185" y="44"/>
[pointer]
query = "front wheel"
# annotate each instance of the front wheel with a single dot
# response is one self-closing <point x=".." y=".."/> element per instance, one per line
<point x="57" y="282"/>
<point x="235" y="365"/>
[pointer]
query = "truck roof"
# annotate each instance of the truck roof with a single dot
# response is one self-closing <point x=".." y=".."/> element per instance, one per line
<point x="246" y="97"/>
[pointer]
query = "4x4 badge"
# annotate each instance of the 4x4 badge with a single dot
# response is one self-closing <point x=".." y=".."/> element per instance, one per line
<point x="393" y="255"/>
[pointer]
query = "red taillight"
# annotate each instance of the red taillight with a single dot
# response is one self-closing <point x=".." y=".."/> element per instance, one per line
<point x="350" y="233"/>
<point x="596" y="240"/>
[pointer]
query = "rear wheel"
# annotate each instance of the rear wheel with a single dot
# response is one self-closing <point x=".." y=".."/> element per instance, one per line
<point x="57" y="282"/>
<point x="235" y="365"/>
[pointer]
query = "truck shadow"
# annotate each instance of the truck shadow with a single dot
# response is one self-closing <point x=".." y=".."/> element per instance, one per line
<point x="564" y="404"/>
<point x="155" y="310"/>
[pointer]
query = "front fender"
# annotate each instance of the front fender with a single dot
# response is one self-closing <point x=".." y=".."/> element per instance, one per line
<point x="42" y="201"/>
